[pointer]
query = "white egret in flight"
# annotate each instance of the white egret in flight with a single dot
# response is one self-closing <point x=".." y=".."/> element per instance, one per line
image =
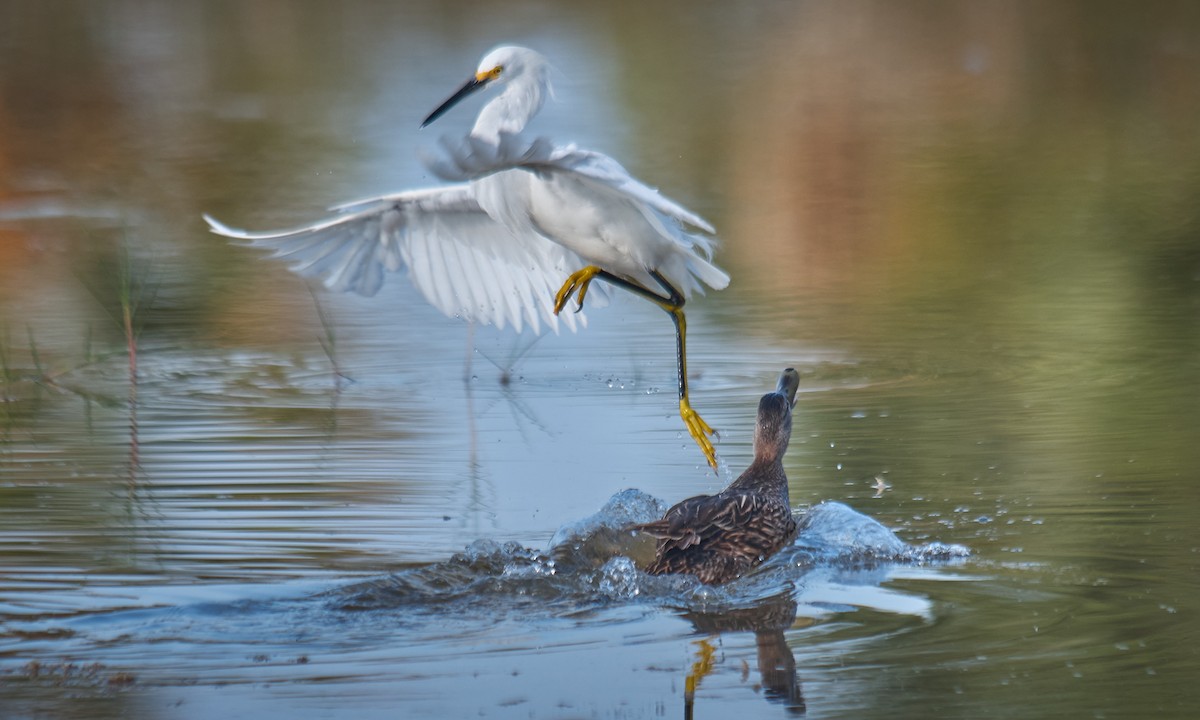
<point x="525" y="217"/>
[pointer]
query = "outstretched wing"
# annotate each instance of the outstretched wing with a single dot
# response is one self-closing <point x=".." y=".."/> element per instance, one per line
<point x="463" y="263"/>
<point x="471" y="156"/>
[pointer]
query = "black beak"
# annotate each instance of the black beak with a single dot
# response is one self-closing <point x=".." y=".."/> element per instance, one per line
<point x="471" y="86"/>
<point x="789" y="383"/>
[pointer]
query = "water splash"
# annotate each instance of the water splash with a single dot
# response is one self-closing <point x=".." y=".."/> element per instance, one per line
<point x="596" y="560"/>
<point x="626" y="507"/>
<point x="832" y="533"/>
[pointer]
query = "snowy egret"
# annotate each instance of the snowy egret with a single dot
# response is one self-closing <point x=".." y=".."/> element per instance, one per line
<point x="523" y="215"/>
<point x="720" y="537"/>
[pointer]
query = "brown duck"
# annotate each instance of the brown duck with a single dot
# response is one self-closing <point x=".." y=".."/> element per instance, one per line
<point x="721" y="537"/>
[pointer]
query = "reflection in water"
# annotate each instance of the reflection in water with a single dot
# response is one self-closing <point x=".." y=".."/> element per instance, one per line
<point x="339" y="637"/>
<point x="594" y="561"/>
<point x="481" y="487"/>
<point x="768" y="620"/>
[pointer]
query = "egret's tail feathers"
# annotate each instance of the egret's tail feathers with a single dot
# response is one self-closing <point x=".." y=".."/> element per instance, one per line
<point x="709" y="274"/>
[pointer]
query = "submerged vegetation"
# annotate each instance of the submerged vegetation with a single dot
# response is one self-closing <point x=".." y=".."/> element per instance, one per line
<point x="26" y="372"/>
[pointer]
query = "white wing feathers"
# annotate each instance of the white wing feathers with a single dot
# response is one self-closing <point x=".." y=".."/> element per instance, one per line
<point x="471" y="157"/>
<point x="463" y="262"/>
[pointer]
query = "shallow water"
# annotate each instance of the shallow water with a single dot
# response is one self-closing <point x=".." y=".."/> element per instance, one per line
<point x="970" y="227"/>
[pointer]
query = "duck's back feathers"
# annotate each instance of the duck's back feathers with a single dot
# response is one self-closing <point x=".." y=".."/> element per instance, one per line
<point x="720" y="537"/>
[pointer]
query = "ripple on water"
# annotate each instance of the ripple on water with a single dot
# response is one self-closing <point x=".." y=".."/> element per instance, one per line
<point x="596" y="560"/>
<point x="494" y="602"/>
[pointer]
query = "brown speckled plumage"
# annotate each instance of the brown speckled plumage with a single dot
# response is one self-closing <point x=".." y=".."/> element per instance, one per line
<point x="721" y="537"/>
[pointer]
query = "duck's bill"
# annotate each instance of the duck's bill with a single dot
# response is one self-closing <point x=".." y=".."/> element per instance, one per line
<point x="789" y="383"/>
<point x="469" y="87"/>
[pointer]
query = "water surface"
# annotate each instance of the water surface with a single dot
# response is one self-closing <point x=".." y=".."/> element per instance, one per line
<point x="971" y="227"/>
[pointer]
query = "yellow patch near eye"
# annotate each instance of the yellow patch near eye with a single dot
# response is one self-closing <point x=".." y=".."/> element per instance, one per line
<point x="492" y="74"/>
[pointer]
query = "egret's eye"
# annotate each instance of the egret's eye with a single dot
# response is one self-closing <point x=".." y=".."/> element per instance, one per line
<point x="489" y="75"/>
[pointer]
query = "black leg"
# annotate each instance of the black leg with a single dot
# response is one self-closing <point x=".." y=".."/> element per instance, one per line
<point x="672" y="303"/>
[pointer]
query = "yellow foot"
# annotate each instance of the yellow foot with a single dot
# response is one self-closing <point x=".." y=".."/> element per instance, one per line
<point x="700" y="669"/>
<point x="699" y="430"/>
<point x="578" y="281"/>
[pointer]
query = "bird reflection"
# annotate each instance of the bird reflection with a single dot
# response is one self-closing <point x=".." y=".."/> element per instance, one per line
<point x="481" y="493"/>
<point x="776" y="663"/>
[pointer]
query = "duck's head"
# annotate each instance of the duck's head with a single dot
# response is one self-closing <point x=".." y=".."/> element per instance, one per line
<point x="773" y="429"/>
